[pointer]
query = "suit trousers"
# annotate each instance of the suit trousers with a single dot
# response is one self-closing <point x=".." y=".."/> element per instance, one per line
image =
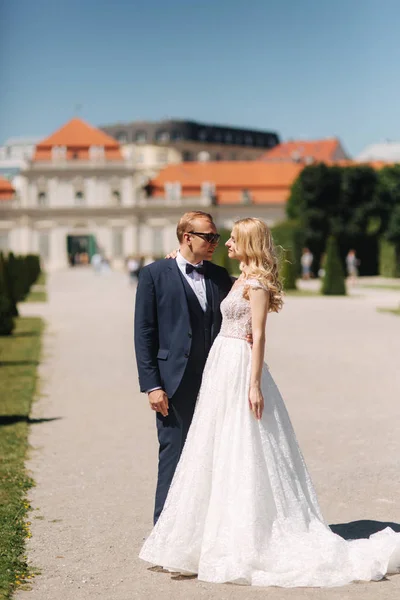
<point x="172" y="431"/>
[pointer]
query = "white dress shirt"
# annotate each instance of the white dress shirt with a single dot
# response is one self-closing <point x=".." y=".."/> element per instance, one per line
<point x="195" y="280"/>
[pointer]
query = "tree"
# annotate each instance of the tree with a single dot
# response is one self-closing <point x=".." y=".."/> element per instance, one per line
<point x="334" y="283"/>
<point x="339" y="201"/>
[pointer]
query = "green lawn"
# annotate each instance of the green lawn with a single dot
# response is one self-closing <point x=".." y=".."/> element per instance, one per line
<point x="392" y="286"/>
<point x="36" y="296"/>
<point x="393" y="311"/>
<point x="38" y="291"/>
<point x="19" y="358"/>
<point x="302" y="293"/>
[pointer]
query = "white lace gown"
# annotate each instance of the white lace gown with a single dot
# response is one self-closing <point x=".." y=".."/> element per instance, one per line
<point x="242" y="507"/>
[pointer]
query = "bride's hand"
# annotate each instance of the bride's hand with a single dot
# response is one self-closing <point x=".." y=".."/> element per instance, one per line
<point x="172" y="254"/>
<point x="256" y="401"/>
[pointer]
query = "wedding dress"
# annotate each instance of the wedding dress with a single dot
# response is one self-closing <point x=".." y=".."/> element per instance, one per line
<point x="242" y="507"/>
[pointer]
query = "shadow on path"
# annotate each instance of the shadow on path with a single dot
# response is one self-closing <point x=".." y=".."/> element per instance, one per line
<point x="11" y="419"/>
<point x="18" y="363"/>
<point x="356" y="530"/>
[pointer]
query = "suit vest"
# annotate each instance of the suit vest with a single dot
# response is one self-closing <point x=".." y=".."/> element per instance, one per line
<point x="201" y="322"/>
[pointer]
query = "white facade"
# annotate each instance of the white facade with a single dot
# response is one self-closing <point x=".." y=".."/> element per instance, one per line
<point x="388" y="152"/>
<point x="15" y="155"/>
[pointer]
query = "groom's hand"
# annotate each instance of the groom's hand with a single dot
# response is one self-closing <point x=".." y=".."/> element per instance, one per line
<point x="159" y="402"/>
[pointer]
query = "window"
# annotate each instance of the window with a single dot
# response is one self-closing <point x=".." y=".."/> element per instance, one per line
<point x="79" y="198"/>
<point x="260" y="141"/>
<point x="208" y="189"/>
<point x="42" y="199"/>
<point x="96" y="152"/>
<point x="118" y="243"/>
<point x="202" y="135"/>
<point x="44" y="245"/>
<point x="239" y="139"/>
<point x="217" y="136"/>
<point x="4" y="241"/>
<point x="139" y="157"/>
<point x="228" y="137"/>
<point x="121" y="137"/>
<point x="173" y="190"/>
<point x="203" y="156"/>
<point x="116" y="196"/>
<point x="246" y="197"/>
<point x="249" y="140"/>
<point x="162" y="157"/>
<point x="162" y="136"/>
<point x="177" y="136"/>
<point x="140" y="137"/>
<point x="59" y="153"/>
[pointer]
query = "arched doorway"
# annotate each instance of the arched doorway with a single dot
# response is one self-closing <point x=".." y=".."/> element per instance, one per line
<point x="80" y="249"/>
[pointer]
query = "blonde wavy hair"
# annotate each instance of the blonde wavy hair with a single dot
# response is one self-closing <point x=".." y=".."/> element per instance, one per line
<point x="254" y="242"/>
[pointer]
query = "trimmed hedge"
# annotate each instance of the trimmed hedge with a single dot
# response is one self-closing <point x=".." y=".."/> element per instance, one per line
<point x="220" y="256"/>
<point x="17" y="274"/>
<point x="289" y="236"/>
<point x="287" y="271"/>
<point x="334" y="283"/>
<point x="388" y="264"/>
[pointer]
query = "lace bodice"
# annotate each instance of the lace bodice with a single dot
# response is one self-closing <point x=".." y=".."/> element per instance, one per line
<point x="236" y="312"/>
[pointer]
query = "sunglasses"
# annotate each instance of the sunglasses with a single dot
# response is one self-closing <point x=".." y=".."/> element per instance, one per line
<point x="211" y="238"/>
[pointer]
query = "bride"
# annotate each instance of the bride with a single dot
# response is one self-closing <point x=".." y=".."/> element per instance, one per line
<point x="242" y="507"/>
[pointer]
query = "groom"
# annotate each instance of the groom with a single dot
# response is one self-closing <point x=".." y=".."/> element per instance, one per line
<point x="177" y="318"/>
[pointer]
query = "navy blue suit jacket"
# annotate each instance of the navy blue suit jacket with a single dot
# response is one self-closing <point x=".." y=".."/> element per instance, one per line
<point x="162" y="322"/>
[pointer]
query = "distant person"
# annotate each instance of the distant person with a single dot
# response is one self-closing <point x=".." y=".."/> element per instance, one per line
<point x="306" y="262"/>
<point x="352" y="264"/>
<point x="322" y="266"/>
<point x="133" y="266"/>
<point x="96" y="262"/>
<point x="105" y="264"/>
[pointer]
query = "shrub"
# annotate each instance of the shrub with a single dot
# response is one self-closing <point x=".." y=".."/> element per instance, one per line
<point x="388" y="264"/>
<point x="7" y="323"/>
<point x="334" y="283"/>
<point x="288" y="235"/>
<point x="287" y="271"/>
<point x="220" y="256"/>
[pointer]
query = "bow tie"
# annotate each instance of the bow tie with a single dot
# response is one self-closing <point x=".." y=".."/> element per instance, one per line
<point x="191" y="268"/>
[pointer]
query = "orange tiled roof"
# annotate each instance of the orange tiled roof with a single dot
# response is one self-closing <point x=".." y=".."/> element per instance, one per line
<point x="267" y="183"/>
<point x="327" y="150"/>
<point x="78" y="136"/>
<point x="6" y="189"/>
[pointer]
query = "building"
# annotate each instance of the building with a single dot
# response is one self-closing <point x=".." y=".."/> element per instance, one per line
<point x="15" y="154"/>
<point x="384" y="152"/>
<point x="153" y="145"/>
<point x="75" y="196"/>
<point x="229" y="190"/>
<point x="306" y="152"/>
<point x="7" y="196"/>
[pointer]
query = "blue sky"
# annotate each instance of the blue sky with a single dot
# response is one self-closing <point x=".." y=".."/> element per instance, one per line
<point x="303" y="68"/>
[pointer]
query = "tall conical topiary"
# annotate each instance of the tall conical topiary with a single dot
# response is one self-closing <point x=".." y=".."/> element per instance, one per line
<point x="6" y="314"/>
<point x="334" y="283"/>
<point x="8" y="266"/>
<point x="288" y="270"/>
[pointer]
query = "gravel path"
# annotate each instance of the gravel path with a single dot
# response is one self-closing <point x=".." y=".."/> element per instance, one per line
<point x="336" y="360"/>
